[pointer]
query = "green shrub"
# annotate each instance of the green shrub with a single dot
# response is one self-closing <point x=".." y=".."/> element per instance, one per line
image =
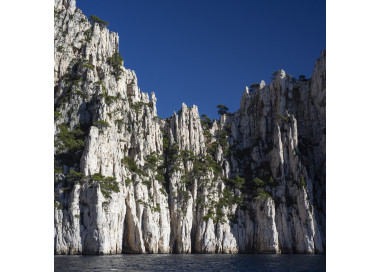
<point x="303" y="182"/>
<point x="271" y="181"/>
<point x="259" y="182"/>
<point x="165" y="142"/>
<point x="95" y="20"/>
<point x="302" y="78"/>
<point x="97" y="177"/>
<point x="238" y="181"/>
<point x="261" y="194"/>
<point x="162" y="190"/>
<point x="205" y="121"/>
<point x="160" y="177"/>
<point x="107" y="184"/>
<point x="212" y="149"/>
<point x="70" y="144"/>
<point x="285" y="118"/>
<point x="222" y="136"/>
<point x="81" y="94"/>
<point x="208" y="136"/>
<point x="127" y="181"/>
<point x="59" y="206"/>
<point x="119" y="123"/>
<point x="57" y="115"/>
<point x="137" y="106"/>
<point x="116" y="62"/>
<point x="152" y="161"/>
<point x="227" y="200"/>
<point x="148" y="183"/>
<point x="88" y="66"/>
<point x="101" y="124"/>
<point x="132" y="166"/>
<point x="219" y="215"/>
<point x="57" y="12"/>
<point x="187" y="155"/>
<point x="105" y="205"/>
<point x="60" y="49"/>
<point x="255" y="86"/>
<point x="109" y="99"/>
<point x="275" y="74"/>
<point x="157" y="208"/>
<point x="88" y="35"/>
<point x="209" y="215"/>
<point x="222" y="109"/>
<point x="211" y="164"/>
<point x="184" y="194"/>
<point x="75" y="177"/>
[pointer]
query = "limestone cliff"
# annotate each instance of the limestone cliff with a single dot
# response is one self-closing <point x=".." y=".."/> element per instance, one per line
<point x="127" y="181"/>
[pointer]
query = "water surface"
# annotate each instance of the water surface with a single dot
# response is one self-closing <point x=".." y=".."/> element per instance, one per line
<point x="191" y="262"/>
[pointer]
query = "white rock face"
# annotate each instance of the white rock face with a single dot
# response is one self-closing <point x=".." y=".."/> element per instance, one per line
<point x="262" y="84"/>
<point x="266" y="235"/>
<point x="127" y="181"/>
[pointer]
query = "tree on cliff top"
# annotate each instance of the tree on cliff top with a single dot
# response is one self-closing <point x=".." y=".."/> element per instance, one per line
<point x="302" y="78"/>
<point x="205" y="121"/>
<point x="222" y="109"/>
<point x="93" y="19"/>
<point x="255" y="86"/>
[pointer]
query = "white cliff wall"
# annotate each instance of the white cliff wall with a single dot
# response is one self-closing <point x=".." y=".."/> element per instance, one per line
<point x="127" y="181"/>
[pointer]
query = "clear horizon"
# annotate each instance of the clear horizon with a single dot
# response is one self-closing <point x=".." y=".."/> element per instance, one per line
<point x="204" y="53"/>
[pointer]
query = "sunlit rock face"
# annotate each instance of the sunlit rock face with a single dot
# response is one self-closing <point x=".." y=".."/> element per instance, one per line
<point x="127" y="181"/>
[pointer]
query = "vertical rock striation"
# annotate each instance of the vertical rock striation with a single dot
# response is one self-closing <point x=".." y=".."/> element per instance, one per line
<point x="127" y="181"/>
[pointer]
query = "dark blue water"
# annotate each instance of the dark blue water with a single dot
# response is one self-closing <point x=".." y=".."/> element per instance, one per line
<point x="191" y="262"/>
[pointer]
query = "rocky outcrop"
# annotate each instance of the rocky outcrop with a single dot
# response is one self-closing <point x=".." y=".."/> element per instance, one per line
<point x="127" y="181"/>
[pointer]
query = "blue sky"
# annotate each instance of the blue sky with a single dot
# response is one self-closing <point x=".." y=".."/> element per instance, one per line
<point x="204" y="52"/>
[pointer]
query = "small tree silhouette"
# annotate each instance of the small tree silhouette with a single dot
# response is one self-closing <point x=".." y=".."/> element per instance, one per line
<point x="205" y="121"/>
<point x="254" y="87"/>
<point x="302" y="78"/>
<point x="93" y="19"/>
<point x="222" y="109"/>
<point x="275" y="74"/>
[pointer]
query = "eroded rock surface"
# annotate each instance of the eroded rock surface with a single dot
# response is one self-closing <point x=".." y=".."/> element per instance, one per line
<point x="127" y="181"/>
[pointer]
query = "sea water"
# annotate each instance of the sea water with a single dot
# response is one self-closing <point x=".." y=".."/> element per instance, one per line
<point x="191" y="262"/>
